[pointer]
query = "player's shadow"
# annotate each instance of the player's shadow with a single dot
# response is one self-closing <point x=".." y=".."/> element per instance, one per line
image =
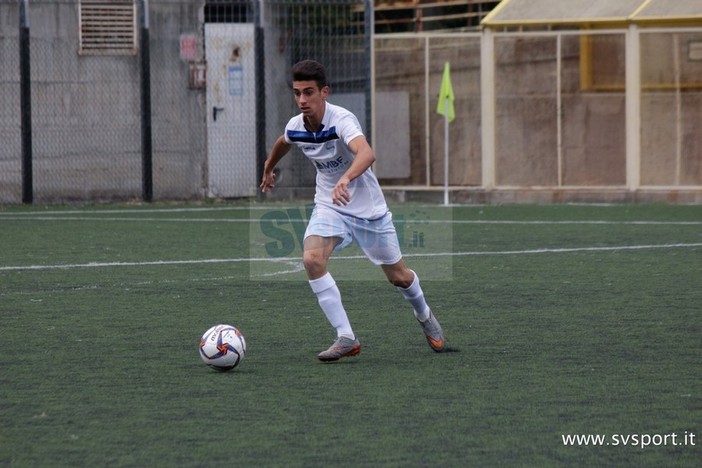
<point x="339" y="362"/>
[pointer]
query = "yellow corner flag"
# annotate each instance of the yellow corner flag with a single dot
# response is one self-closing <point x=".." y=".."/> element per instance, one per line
<point x="446" y="95"/>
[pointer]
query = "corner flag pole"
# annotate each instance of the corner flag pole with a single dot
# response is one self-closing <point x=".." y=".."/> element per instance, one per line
<point x="445" y="108"/>
<point x="446" y="151"/>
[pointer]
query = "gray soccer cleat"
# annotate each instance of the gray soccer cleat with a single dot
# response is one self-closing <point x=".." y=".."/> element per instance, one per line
<point x="342" y="347"/>
<point x="434" y="333"/>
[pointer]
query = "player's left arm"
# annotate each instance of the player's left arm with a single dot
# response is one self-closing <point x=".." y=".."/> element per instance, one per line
<point x="364" y="158"/>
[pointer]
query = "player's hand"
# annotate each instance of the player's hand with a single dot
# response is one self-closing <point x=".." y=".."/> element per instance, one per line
<point x="268" y="182"/>
<point x="340" y="194"/>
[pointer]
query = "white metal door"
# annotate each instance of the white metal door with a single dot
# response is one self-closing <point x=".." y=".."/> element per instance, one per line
<point x="231" y="109"/>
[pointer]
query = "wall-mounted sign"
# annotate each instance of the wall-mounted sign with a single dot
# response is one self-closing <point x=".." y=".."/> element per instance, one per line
<point x="188" y="46"/>
<point x="236" y="80"/>
<point x="198" y="75"/>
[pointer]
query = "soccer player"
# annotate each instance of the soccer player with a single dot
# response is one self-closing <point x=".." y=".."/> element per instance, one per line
<point x="348" y="205"/>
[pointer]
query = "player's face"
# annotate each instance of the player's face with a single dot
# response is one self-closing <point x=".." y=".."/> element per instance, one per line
<point x="309" y="98"/>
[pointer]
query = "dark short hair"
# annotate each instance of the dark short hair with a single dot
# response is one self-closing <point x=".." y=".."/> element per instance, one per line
<point x="310" y="70"/>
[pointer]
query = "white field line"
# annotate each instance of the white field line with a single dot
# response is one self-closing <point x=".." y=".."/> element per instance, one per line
<point x="288" y="260"/>
<point x="430" y="221"/>
<point x="190" y="209"/>
<point x="252" y="207"/>
<point x="297" y="267"/>
<point x="152" y="210"/>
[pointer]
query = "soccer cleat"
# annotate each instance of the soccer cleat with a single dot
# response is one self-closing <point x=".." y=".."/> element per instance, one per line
<point x="434" y="333"/>
<point x="342" y="347"/>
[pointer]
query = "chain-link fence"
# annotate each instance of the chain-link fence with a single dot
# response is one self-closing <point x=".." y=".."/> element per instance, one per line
<point x="120" y="98"/>
<point x="334" y="33"/>
<point x="408" y="73"/>
<point x="557" y="104"/>
<point x="10" y="109"/>
<point x="84" y="111"/>
<point x="188" y="99"/>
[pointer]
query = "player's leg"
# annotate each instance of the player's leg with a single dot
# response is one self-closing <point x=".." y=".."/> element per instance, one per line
<point x="315" y="258"/>
<point x="378" y="240"/>
<point x="317" y="251"/>
<point x="407" y="282"/>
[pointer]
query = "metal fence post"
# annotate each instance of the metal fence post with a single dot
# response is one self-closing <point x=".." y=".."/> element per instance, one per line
<point x="146" y="140"/>
<point x="25" y="103"/>
<point x="369" y="46"/>
<point x="260" y="61"/>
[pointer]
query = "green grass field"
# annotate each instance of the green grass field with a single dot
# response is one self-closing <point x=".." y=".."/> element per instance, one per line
<point x="562" y="320"/>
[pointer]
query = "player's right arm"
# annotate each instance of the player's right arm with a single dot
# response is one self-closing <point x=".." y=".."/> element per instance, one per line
<point x="280" y="149"/>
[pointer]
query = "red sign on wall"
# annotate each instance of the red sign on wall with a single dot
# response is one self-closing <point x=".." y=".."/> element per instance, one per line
<point x="188" y="46"/>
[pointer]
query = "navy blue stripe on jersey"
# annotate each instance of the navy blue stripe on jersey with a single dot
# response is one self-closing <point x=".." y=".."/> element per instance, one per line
<point x="310" y="137"/>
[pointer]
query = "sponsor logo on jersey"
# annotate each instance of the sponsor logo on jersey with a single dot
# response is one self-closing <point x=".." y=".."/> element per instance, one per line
<point x="332" y="165"/>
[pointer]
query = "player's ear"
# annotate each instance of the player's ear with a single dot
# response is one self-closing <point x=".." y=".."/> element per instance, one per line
<point x="325" y="92"/>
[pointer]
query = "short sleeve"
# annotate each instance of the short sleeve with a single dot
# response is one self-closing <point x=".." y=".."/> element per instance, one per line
<point x="348" y="127"/>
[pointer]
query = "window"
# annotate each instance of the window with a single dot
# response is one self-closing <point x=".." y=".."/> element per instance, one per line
<point x="107" y="27"/>
<point x="228" y="12"/>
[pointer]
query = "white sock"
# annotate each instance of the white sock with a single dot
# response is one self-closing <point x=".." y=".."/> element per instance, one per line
<point x="329" y="299"/>
<point x="415" y="296"/>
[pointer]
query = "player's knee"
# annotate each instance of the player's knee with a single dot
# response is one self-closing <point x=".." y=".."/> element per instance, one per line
<point x="313" y="262"/>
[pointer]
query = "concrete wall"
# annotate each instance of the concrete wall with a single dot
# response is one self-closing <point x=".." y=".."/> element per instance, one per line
<point x="179" y="112"/>
<point x="86" y="111"/>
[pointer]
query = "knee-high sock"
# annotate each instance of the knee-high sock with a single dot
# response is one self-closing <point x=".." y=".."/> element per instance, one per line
<point x="415" y="296"/>
<point x="329" y="299"/>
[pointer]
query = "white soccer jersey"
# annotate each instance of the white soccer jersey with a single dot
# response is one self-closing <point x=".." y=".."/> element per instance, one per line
<point x="329" y="152"/>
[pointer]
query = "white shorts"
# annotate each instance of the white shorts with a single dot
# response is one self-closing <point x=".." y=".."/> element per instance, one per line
<point x="376" y="238"/>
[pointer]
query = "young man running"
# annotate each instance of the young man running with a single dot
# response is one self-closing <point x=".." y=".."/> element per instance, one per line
<point x="349" y="205"/>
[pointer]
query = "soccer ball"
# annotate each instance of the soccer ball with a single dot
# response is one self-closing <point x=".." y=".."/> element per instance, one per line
<point x="222" y="347"/>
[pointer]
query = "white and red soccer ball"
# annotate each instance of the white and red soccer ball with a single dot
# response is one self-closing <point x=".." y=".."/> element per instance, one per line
<point x="222" y="347"/>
